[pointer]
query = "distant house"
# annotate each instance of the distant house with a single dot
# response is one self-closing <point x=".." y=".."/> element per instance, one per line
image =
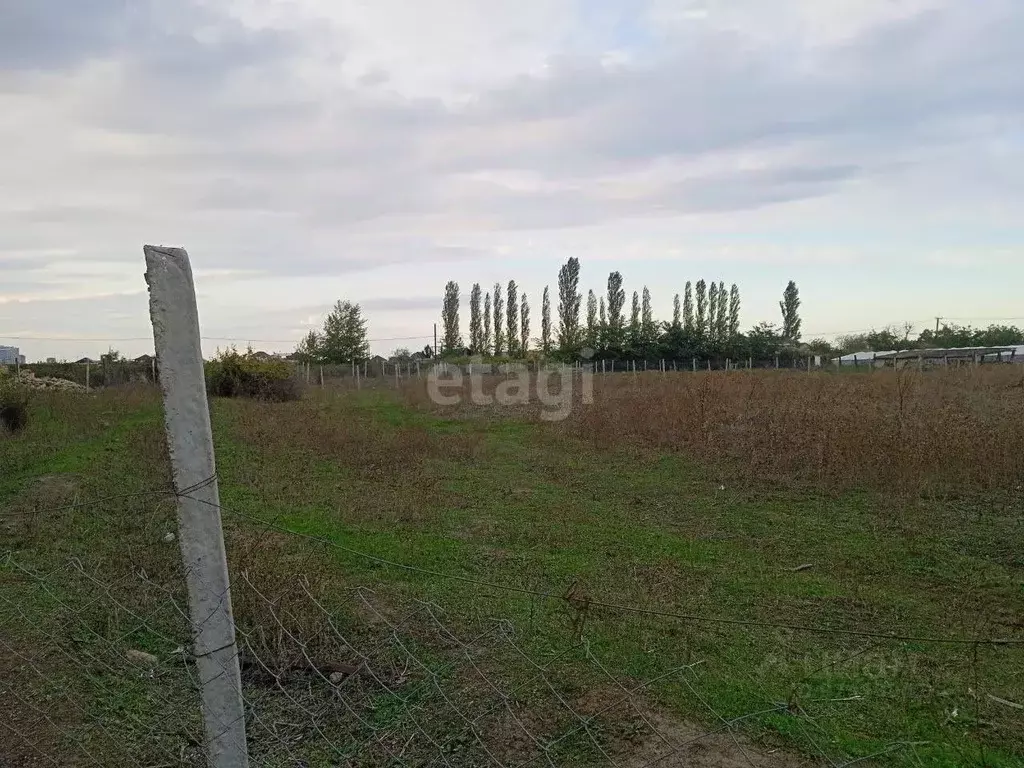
<point x="143" y="359"/>
<point x="87" y="361"/>
<point x="51" y="360"/>
<point x="11" y="356"/>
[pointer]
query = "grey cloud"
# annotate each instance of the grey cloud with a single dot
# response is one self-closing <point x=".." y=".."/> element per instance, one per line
<point x="55" y="34"/>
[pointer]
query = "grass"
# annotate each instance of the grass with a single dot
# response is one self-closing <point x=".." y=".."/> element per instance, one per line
<point x="479" y="505"/>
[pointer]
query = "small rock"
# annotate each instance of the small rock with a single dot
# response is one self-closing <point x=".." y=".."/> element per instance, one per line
<point x="141" y="658"/>
<point x="337" y="678"/>
<point x="168" y="538"/>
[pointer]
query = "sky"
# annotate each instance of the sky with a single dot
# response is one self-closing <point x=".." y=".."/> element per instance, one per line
<point x="306" y="151"/>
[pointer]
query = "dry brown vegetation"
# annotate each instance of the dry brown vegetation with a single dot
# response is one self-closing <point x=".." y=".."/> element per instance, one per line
<point x="907" y="431"/>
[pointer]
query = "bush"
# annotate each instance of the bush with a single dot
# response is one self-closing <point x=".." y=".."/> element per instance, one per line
<point x="13" y="402"/>
<point x="232" y="374"/>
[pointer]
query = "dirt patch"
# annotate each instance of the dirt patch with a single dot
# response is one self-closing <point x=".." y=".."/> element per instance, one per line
<point x="639" y="735"/>
<point x="677" y="744"/>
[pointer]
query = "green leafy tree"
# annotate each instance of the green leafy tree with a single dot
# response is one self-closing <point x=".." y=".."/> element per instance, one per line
<point x="688" y="307"/>
<point x="451" y="335"/>
<point x="676" y="312"/>
<point x="592" y="329"/>
<point x="308" y="350"/>
<point x="602" y="326"/>
<point x="648" y="329"/>
<point x="524" y="327"/>
<point x="476" y="327"/>
<point x="635" y="332"/>
<point x="764" y="341"/>
<point x="545" y="321"/>
<point x="512" y="318"/>
<point x="722" y="318"/>
<point x="712" y="322"/>
<point x="790" y="308"/>
<point x="700" y="326"/>
<point x="499" y="321"/>
<point x="569" y="299"/>
<point x="487" y="346"/>
<point x="343" y="337"/>
<point x="616" y="318"/>
<point x="734" y="311"/>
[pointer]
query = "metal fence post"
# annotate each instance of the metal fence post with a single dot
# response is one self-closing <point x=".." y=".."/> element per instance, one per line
<point x="175" y="318"/>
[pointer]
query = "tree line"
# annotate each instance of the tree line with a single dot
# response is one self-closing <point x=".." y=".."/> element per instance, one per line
<point x="705" y="322"/>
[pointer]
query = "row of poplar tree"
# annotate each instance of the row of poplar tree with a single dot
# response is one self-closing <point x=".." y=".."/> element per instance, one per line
<point x="705" y="322"/>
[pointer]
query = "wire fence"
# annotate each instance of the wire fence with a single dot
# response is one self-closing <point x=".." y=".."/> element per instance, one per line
<point x="99" y="668"/>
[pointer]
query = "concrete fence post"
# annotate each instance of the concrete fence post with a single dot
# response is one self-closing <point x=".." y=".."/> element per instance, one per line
<point x="175" y="318"/>
<point x="86" y="377"/>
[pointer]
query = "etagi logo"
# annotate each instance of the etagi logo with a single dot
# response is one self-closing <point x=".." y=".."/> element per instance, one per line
<point x="554" y="387"/>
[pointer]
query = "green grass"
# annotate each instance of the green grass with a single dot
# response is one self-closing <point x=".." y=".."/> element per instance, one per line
<point x="521" y="505"/>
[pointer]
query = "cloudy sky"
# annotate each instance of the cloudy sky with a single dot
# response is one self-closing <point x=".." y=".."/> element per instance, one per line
<point x="310" y="150"/>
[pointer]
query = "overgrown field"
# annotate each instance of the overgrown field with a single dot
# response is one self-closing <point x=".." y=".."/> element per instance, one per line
<point x="712" y="569"/>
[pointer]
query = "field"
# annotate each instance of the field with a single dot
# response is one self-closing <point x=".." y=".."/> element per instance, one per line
<point x="711" y="569"/>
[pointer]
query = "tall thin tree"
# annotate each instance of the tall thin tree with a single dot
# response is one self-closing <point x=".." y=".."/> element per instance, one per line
<point x="476" y="328"/>
<point x="524" y="326"/>
<point x="790" y="307"/>
<point x="545" y="321"/>
<point x="634" y="324"/>
<point x="488" y="347"/>
<point x="616" y="304"/>
<point x="712" y="326"/>
<point x="499" y="321"/>
<point x="602" y="328"/>
<point x="512" y="318"/>
<point x="688" y="307"/>
<point x="452" y="335"/>
<point x="592" y="320"/>
<point x="734" y="311"/>
<point x="701" y="317"/>
<point x="648" y="333"/>
<point x="569" y="299"/>
<point x="677" y="322"/>
<point x="722" y="320"/>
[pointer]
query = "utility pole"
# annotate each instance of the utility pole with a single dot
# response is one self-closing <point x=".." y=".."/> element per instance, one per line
<point x="937" y="319"/>
<point x="435" y="340"/>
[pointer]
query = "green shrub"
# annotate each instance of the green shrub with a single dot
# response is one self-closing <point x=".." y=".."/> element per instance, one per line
<point x="13" y="402"/>
<point x="233" y="374"/>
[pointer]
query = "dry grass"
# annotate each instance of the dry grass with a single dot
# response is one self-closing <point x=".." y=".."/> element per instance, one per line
<point x="905" y="432"/>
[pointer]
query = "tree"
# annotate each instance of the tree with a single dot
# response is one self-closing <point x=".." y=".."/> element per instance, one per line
<point x="676" y="312"/>
<point x="734" y="311"/>
<point x="648" y="330"/>
<point x="634" y="325"/>
<point x="712" y="323"/>
<point x="512" y="318"/>
<point x="790" y="306"/>
<point x="569" y="299"/>
<point x="602" y="325"/>
<point x="476" y="328"/>
<point x="688" y="307"/>
<point x="428" y="352"/>
<point x="700" y="321"/>
<point x="616" y="303"/>
<point x="451" y="335"/>
<point x="545" y="321"/>
<point x="722" y="320"/>
<point x="524" y="327"/>
<point x="499" y="321"/>
<point x="592" y="329"/>
<point x="402" y="354"/>
<point x="487" y="345"/>
<point x="309" y="348"/>
<point x="764" y="341"/>
<point x="343" y="337"/>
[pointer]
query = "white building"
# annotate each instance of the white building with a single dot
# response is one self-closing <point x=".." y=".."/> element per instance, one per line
<point x="11" y="356"/>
